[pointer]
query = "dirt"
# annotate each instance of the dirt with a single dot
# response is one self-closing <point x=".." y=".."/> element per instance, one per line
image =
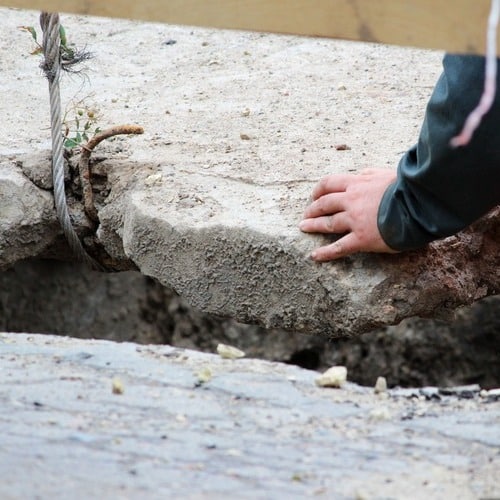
<point x="53" y="297"/>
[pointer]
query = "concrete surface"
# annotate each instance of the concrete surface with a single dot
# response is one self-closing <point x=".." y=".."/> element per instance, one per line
<point x="238" y="129"/>
<point x="253" y="429"/>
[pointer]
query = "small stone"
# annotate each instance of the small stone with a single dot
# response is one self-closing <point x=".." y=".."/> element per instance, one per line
<point x="342" y="147"/>
<point x="361" y="495"/>
<point x="380" y="385"/>
<point x="37" y="169"/>
<point x="204" y="375"/>
<point x="341" y="86"/>
<point x="245" y="137"/>
<point x="229" y="352"/>
<point x="117" y="386"/>
<point x="493" y="395"/>
<point x="430" y="393"/>
<point x="153" y="179"/>
<point x="333" y="377"/>
<point x="381" y="413"/>
<point x="245" y="112"/>
<point x="181" y="418"/>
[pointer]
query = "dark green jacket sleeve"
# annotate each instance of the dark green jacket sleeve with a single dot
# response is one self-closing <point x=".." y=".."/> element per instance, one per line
<point x="439" y="189"/>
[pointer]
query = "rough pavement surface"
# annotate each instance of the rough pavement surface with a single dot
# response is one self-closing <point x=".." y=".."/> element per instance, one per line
<point x="191" y="425"/>
<point x="238" y="129"/>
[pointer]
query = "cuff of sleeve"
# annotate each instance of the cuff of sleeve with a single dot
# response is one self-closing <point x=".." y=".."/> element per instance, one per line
<point x="395" y="223"/>
<point x="388" y="226"/>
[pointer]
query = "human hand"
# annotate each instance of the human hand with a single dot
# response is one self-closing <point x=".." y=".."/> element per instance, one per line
<point x="348" y="204"/>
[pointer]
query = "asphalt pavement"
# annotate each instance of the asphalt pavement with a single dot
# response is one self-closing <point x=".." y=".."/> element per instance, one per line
<point x="97" y="419"/>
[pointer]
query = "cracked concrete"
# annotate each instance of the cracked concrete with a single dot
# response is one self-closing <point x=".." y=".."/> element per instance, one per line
<point x="238" y="128"/>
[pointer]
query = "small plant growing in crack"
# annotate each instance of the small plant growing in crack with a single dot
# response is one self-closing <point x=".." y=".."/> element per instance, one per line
<point x="81" y="132"/>
<point x="82" y="127"/>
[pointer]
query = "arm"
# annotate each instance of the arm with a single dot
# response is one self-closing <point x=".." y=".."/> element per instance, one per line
<point x="438" y="190"/>
<point x="441" y="190"/>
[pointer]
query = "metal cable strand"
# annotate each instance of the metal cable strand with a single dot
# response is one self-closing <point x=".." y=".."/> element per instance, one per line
<point x="52" y="69"/>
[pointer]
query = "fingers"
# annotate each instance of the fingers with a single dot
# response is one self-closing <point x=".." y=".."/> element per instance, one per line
<point x="339" y="182"/>
<point x="346" y="245"/>
<point x="331" y="184"/>
<point x="326" y="205"/>
<point x="348" y="205"/>
<point x="330" y="224"/>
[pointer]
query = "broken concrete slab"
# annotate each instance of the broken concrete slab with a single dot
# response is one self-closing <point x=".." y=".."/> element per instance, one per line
<point x="228" y="262"/>
<point x="255" y="429"/>
<point x="27" y="218"/>
<point x="238" y="128"/>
